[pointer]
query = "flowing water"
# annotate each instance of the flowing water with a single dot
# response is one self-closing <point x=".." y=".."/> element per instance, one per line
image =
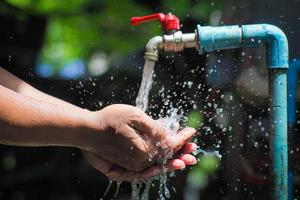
<point x="107" y="189"/>
<point x="140" y="189"/>
<point x="146" y="84"/>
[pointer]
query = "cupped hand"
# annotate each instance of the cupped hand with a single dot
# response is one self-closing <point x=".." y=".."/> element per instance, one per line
<point x="117" y="173"/>
<point x="127" y="137"/>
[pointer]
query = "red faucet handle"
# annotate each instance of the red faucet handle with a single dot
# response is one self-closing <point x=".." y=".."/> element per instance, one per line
<point x="168" y="22"/>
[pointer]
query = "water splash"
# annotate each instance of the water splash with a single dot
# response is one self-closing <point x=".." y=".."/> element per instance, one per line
<point x="171" y="126"/>
<point x="136" y="187"/>
<point x="118" y="188"/>
<point x="107" y="189"/>
<point x="163" y="191"/>
<point x="148" y="184"/>
<point x="208" y="153"/>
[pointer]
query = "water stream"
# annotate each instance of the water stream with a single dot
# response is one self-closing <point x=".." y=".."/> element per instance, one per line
<point x="170" y="124"/>
<point x="146" y="85"/>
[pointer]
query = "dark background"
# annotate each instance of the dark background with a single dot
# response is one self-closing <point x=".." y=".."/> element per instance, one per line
<point x="51" y="45"/>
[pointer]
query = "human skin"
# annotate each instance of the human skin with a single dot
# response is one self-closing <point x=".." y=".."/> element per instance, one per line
<point x="117" y="140"/>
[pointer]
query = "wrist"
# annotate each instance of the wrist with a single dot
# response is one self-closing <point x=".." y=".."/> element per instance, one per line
<point x="92" y="127"/>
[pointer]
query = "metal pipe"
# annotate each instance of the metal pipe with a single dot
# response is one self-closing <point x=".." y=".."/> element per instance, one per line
<point x="174" y="42"/>
<point x="178" y="41"/>
<point x="229" y="37"/>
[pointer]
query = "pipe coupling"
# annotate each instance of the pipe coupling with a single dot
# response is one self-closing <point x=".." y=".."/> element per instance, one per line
<point x="178" y="41"/>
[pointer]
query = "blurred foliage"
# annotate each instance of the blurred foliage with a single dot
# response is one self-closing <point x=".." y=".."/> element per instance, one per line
<point x="195" y="119"/>
<point x="78" y="28"/>
<point x="71" y="35"/>
<point x="198" y="176"/>
<point x="47" y="6"/>
<point x="180" y="7"/>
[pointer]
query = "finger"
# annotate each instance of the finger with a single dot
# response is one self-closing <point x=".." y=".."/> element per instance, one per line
<point x="175" y="164"/>
<point x="189" y="148"/>
<point x="183" y="137"/>
<point x="188" y="159"/>
<point x="186" y="134"/>
<point x="148" y="126"/>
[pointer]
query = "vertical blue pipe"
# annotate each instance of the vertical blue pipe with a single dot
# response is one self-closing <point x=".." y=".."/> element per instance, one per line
<point x="278" y="116"/>
<point x="292" y="90"/>
<point x="293" y="74"/>
<point x="277" y="63"/>
<point x="217" y="38"/>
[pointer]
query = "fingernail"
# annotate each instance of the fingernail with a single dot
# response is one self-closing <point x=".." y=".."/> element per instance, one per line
<point x="191" y="161"/>
<point x="194" y="162"/>
<point x="194" y="146"/>
<point x="182" y="167"/>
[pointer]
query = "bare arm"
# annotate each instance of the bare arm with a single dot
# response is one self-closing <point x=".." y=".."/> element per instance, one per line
<point x="12" y="82"/>
<point x="30" y="122"/>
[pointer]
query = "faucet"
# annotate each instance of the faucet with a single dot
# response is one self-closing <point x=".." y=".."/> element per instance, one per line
<point x="208" y="39"/>
<point x="173" y="40"/>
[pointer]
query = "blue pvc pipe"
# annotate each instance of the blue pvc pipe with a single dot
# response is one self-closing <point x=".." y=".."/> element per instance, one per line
<point x="216" y="38"/>
<point x="293" y="74"/>
<point x="273" y="38"/>
<point x="278" y="137"/>
<point x="229" y="37"/>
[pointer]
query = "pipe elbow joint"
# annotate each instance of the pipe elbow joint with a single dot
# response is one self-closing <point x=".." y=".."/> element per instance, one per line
<point x="271" y="36"/>
<point x="152" y="47"/>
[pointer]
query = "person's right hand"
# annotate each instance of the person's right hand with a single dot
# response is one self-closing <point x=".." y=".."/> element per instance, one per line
<point x="127" y="137"/>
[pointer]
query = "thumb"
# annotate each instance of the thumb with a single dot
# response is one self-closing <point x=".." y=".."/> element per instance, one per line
<point x="149" y="127"/>
<point x="176" y="142"/>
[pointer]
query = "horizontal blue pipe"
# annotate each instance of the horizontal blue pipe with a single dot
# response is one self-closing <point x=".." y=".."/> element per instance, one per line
<point x="230" y="37"/>
<point x="223" y="37"/>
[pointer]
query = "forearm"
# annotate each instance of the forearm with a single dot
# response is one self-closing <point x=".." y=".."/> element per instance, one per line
<point x="30" y="122"/>
<point x="12" y="82"/>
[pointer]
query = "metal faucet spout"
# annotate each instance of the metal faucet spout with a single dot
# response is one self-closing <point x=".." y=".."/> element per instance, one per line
<point x="152" y="46"/>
